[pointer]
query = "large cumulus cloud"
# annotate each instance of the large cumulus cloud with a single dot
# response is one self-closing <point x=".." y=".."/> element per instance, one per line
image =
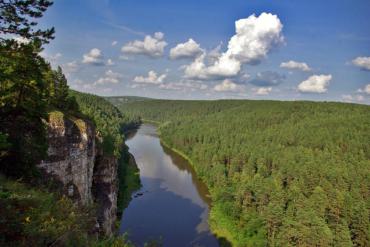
<point x="255" y="37"/>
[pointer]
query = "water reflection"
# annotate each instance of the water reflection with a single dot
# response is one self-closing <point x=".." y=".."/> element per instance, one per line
<point x="174" y="203"/>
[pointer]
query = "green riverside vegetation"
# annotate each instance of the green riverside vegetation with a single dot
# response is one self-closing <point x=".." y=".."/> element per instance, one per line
<point x="279" y="173"/>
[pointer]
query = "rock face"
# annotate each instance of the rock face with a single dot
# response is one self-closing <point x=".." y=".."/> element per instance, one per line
<point x="105" y="191"/>
<point x="80" y="168"/>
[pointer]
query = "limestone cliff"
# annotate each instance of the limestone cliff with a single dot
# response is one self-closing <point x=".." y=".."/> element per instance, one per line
<point x="80" y="167"/>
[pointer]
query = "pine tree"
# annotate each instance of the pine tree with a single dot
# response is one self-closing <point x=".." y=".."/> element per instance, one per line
<point x="61" y="89"/>
<point x="23" y="97"/>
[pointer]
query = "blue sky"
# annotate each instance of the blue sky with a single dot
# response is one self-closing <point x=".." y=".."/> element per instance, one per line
<point x="286" y="50"/>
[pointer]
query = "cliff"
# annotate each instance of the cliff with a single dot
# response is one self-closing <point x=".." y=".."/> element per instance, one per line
<point x="80" y="168"/>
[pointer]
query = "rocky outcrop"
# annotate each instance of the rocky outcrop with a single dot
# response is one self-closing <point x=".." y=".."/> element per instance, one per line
<point x="105" y="190"/>
<point x="80" y="168"/>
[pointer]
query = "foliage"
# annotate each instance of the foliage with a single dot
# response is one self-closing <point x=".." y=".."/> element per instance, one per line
<point x="45" y="219"/>
<point x="109" y="121"/>
<point x="23" y="96"/>
<point x="280" y="173"/>
<point x="41" y="218"/>
<point x="18" y="17"/>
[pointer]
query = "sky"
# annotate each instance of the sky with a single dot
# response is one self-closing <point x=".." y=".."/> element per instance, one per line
<point x="206" y="49"/>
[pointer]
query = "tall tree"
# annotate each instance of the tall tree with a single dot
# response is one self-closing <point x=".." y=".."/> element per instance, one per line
<point x="61" y="89"/>
<point x="23" y="96"/>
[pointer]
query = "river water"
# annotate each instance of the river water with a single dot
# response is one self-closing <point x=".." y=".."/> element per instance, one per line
<point x="172" y="206"/>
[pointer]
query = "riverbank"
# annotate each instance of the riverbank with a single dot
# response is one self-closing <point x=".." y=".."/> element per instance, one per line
<point x="129" y="182"/>
<point x="219" y="224"/>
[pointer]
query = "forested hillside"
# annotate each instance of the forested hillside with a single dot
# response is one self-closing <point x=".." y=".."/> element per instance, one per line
<point x="110" y="122"/>
<point x="280" y="173"/>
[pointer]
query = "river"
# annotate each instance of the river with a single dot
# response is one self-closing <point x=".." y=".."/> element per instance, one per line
<point x="172" y="206"/>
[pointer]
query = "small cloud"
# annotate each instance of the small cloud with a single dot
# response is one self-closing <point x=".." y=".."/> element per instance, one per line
<point x="109" y="77"/>
<point x="365" y="90"/>
<point x="295" y="65"/>
<point x="228" y="86"/>
<point x="315" y="84"/>
<point x="152" y="78"/>
<point x="189" y="49"/>
<point x="110" y="62"/>
<point x="267" y="78"/>
<point x="362" y="62"/>
<point x="94" y="57"/>
<point x="263" y="91"/>
<point x="152" y="46"/>
<point x="114" y="43"/>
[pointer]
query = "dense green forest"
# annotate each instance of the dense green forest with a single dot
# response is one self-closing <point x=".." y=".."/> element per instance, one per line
<point x="280" y="173"/>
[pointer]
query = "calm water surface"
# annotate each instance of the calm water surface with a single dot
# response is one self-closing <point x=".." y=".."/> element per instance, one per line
<point x="172" y="203"/>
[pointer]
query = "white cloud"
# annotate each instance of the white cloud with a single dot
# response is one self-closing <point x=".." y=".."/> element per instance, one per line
<point x="114" y="43"/>
<point x="227" y="86"/>
<point x="362" y="62"/>
<point x="152" y="46"/>
<point x="110" y="62"/>
<point x="255" y="37"/>
<point x="366" y="89"/>
<point x="295" y="65"/>
<point x="315" y="84"/>
<point x="94" y="57"/>
<point x="152" y="78"/>
<point x="189" y="49"/>
<point x="109" y="77"/>
<point x="263" y="90"/>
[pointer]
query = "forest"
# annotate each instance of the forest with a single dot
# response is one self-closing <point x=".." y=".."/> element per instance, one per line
<point x="279" y="173"/>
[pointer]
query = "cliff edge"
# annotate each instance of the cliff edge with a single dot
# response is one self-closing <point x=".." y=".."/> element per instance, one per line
<point x="79" y="166"/>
